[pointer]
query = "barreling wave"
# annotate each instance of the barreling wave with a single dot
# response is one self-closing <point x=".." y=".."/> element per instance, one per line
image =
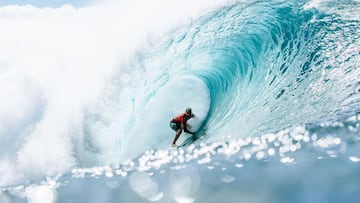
<point x="272" y="65"/>
<point x="246" y="68"/>
<point x="266" y="66"/>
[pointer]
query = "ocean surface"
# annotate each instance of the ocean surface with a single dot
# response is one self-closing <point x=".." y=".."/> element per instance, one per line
<point x="86" y="96"/>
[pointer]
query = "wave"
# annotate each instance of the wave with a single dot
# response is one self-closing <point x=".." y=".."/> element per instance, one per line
<point x="266" y="66"/>
<point x="246" y="68"/>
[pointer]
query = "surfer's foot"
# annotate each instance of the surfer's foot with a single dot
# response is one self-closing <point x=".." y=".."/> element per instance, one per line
<point x="173" y="145"/>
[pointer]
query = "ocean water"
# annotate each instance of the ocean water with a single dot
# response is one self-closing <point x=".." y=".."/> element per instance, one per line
<point x="86" y="95"/>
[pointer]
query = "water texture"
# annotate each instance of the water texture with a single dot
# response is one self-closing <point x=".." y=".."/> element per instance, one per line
<point x="87" y="94"/>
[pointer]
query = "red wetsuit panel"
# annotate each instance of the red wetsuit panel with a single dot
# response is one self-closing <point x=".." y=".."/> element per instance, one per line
<point x="180" y="119"/>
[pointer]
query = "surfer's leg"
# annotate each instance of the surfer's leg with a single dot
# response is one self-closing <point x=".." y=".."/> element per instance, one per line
<point x="177" y="135"/>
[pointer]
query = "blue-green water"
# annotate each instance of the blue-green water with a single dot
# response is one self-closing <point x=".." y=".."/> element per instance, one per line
<point x="274" y="85"/>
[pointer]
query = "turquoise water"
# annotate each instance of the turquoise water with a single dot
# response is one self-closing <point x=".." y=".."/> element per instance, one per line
<point x="274" y="85"/>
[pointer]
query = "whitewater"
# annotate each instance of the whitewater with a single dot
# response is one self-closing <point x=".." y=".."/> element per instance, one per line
<point x="86" y="96"/>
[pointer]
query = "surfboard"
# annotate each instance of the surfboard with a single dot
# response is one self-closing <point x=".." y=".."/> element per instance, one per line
<point x="191" y="139"/>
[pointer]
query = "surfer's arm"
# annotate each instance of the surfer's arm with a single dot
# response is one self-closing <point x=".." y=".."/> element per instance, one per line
<point x="185" y="126"/>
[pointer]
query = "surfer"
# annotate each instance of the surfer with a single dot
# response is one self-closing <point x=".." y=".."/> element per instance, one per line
<point x="179" y="123"/>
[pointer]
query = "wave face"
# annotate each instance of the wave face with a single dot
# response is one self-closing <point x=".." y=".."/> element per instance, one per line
<point x="262" y="63"/>
<point x="274" y="85"/>
<point x="267" y="63"/>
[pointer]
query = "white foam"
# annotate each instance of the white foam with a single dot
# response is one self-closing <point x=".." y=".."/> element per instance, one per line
<point x="43" y="194"/>
<point x="54" y="63"/>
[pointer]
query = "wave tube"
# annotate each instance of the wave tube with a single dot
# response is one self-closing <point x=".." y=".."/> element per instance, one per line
<point x="266" y="65"/>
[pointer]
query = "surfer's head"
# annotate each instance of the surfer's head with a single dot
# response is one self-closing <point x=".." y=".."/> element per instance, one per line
<point x="188" y="112"/>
